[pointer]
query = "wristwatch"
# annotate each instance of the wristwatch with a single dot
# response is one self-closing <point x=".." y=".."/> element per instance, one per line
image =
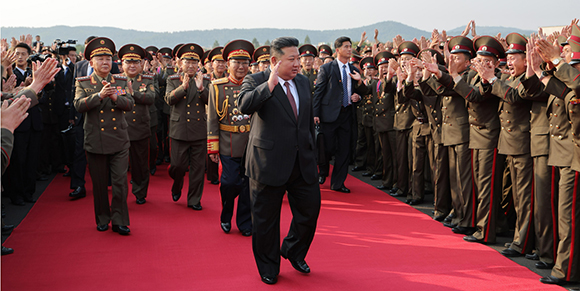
<point x="557" y="61"/>
<point x="492" y="80"/>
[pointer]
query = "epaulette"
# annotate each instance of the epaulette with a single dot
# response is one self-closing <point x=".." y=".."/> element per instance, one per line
<point x="220" y="81"/>
<point x="85" y="78"/>
<point x="120" y="77"/>
<point x="174" y="77"/>
<point x="206" y="77"/>
<point x="149" y="77"/>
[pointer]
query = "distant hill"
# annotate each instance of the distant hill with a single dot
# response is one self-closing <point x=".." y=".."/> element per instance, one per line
<point x="207" y="38"/>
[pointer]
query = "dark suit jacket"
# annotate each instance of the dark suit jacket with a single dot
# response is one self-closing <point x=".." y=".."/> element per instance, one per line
<point x="328" y="92"/>
<point x="34" y="119"/>
<point x="276" y="137"/>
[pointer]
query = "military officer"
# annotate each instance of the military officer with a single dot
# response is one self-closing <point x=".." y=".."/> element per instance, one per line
<point x="187" y="94"/>
<point x="218" y="63"/>
<point x="307" y="54"/>
<point x="228" y="132"/>
<point x="324" y="51"/>
<point x="262" y="57"/>
<point x="103" y="98"/>
<point x="165" y="57"/>
<point x="138" y="118"/>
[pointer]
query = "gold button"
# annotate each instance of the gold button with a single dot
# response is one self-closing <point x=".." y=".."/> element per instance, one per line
<point x="102" y="120"/>
<point x="114" y="119"/>
<point x="198" y="119"/>
<point x="49" y="103"/>
<point x="102" y="112"/>
<point x="188" y="120"/>
<point x="133" y="119"/>
<point x="112" y="109"/>
<point x="188" y="105"/>
<point x="198" y="112"/>
<point x="196" y="104"/>
<point x="102" y="129"/>
<point x="115" y="128"/>
<point x="187" y="112"/>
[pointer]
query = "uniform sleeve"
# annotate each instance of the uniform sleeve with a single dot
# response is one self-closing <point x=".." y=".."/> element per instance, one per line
<point x="570" y="76"/>
<point x="174" y="91"/>
<point x="147" y="97"/>
<point x="7" y="144"/>
<point x="84" y="102"/>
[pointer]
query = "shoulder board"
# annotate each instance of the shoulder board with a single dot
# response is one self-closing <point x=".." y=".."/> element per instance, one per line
<point x="120" y="77"/>
<point x="206" y="77"/>
<point x="220" y="81"/>
<point x="149" y="77"/>
<point x="174" y="77"/>
<point x="85" y="78"/>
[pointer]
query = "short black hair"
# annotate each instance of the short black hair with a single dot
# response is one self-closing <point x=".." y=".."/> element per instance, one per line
<point x="24" y="45"/>
<point x="339" y="41"/>
<point x="282" y="42"/>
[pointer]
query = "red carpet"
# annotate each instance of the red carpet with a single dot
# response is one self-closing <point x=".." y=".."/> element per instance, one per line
<point x="366" y="240"/>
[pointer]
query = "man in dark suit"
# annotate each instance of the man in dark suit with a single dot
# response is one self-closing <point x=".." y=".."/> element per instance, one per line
<point x="280" y="157"/>
<point x="336" y="83"/>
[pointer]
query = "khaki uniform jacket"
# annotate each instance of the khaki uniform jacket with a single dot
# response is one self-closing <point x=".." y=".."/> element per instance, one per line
<point x="383" y="100"/>
<point x="420" y="124"/>
<point x="29" y="93"/>
<point x="162" y="76"/>
<point x="514" y="115"/>
<point x="539" y="124"/>
<point x="139" y="116"/>
<point x="7" y="146"/>
<point x="571" y="77"/>
<point x="432" y="106"/>
<point x="188" y="120"/>
<point x="455" y="128"/>
<point x="311" y="75"/>
<point x="404" y="117"/>
<point x="366" y="105"/>
<point x="482" y="108"/>
<point x="228" y="129"/>
<point x="105" y="125"/>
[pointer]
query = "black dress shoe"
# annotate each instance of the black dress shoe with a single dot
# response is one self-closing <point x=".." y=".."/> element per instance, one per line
<point x="510" y="253"/>
<point x="356" y="169"/>
<point x="383" y="187"/>
<point x="102" y="227"/>
<point x="29" y="199"/>
<point x="141" y="201"/>
<point x="376" y="177"/>
<point x="367" y="174"/>
<point x="553" y="280"/>
<point x="61" y="170"/>
<point x="463" y="230"/>
<point x="269" y="279"/>
<point x="79" y="192"/>
<point x="416" y="202"/>
<point x="67" y="174"/>
<point x="121" y="229"/>
<point x="408" y="201"/>
<point x="300" y="265"/>
<point x="158" y="162"/>
<point x="471" y="238"/>
<point x="394" y="190"/>
<point x="543" y="265"/>
<point x="153" y="171"/>
<point x="42" y="178"/>
<point x="533" y="256"/>
<point x="321" y="180"/>
<point x="167" y="160"/>
<point x="449" y="218"/>
<point x="6" y="251"/>
<point x="439" y="218"/>
<point x="449" y="224"/>
<point x="226" y="226"/>
<point x="176" y="196"/>
<point x="196" y="206"/>
<point x="397" y="194"/>
<point x="215" y="182"/>
<point x="247" y="232"/>
<point x="7" y="228"/>
<point x="342" y="189"/>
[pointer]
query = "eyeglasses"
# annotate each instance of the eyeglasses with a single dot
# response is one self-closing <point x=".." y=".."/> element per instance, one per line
<point x="239" y="63"/>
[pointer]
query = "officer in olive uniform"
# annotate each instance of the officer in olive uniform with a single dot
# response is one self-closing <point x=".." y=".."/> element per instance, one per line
<point x="103" y="98"/>
<point x="262" y="57"/>
<point x="307" y="54"/>
<point x="165" y="57"/>
<point x="138" y="118"/>
<point x="372" y="154"/>
<point x="218" y="63"/>
<point x="228" y="131"/>
<point x="187" y="94"/>
<point x="324" y="51"/>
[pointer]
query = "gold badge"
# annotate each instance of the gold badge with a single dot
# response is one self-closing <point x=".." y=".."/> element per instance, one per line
<point x="131" y="48"/>
<point x="102" y="41"/>
<point x="242" y="128"/>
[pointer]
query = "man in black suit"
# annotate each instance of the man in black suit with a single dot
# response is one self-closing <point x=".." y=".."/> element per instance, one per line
<point x="333" y="98"/>
<point x="280" y="157"/>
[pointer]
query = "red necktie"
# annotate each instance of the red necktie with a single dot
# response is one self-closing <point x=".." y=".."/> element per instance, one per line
<point x="291" y="99"/>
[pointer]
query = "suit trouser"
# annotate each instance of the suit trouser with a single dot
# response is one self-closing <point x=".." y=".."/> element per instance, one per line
<point x="461" y="182"/>
<point x="162" y="136"/>
<point x="184" y="155"/>
<point x="521" y="170"/>
<point x="99" y="168"/>
<point x="388" y="145"/>
<point x="487" y="168"/>
<point x="404" y="160"/>
<point x="419" y="150"/>
<point x="362" y="148"/>
<point x="235" y="184"/>
<point x="212" y="169"/>
<point x="337" y="140"/>
<point x="153" y="147"/>
<point x="19" y="179"/>
<point x="139" y="161"/>
<point x="374" y="159"/>
<point x="567" y="266"/>
<point x="506" y="217"/>
<point x="79" y="165"/>
<point x="439" y="161"/>
<point x="304" y="200"/>
<point x="545" y="208"/>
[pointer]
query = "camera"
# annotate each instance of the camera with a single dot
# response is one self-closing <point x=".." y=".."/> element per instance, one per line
<point x="38" y="57"/>
<point x="63" y="47"/>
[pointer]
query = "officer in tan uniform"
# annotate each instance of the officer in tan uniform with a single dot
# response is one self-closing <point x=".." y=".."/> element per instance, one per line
<point x="165" y="57"/>
<point x="103" y="98"/>
<point x="218" y="63"/>
<point x="138" y="118"/>
<point x="324" y="51"/>
<point x="372" y="155"/>
<point x="228" y="131"/>
<point x="262" y="57"/>
<point x="187" y="94"/>
<point x="307" y="54"/>
<point x="455" y="129"/>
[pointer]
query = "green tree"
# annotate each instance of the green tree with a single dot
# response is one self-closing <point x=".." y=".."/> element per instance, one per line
<point x="216" y="43"/>
<point x="267" y="42"/>
<point x="255" y="42"/>
<point x="307" y="40"/>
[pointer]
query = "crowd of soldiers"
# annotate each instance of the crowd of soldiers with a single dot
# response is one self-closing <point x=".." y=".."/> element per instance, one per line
<point x="490" y="124"/>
